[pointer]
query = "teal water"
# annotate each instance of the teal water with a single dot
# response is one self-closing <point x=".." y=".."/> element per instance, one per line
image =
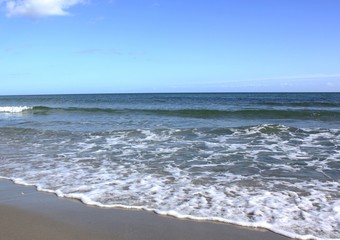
<point x="267" y="160"/>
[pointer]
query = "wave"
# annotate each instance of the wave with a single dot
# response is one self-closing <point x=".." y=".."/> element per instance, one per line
<point x="302" y="104"/>
<point x="13" y="109"/>
<point x="323" y="115"/>
<point x="198" y="173"/>
<point x="158" y="133"/>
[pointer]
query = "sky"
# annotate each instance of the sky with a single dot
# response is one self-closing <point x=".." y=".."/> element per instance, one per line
<point x="138" y="46"/>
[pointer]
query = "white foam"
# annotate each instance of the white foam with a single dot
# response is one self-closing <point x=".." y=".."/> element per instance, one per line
<point x="14" y="109"/>
<point x="256" y="205"/>
<point x="140" y="169"/>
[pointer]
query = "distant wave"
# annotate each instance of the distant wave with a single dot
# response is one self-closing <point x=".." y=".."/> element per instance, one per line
<point x="302" y="104"/>
<point x="11" y="109"/>
<point x="310" y="114"/>
<point x="251" y="129"/>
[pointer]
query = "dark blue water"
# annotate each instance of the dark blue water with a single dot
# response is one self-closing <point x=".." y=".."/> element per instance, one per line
<point x="124" y="111"/>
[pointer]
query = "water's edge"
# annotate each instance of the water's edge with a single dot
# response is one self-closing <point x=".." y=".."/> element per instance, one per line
<point x="18" y="182"/>
<point x="87" y="201"/>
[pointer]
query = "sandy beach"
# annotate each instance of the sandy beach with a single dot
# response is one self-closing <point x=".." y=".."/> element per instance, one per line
<point x="29" y="214"/>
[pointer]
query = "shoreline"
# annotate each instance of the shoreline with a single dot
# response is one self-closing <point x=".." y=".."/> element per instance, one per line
<point x="29" y="214"/>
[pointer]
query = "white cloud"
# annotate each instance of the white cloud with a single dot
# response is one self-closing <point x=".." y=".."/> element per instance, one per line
<point x="38" y="8"/>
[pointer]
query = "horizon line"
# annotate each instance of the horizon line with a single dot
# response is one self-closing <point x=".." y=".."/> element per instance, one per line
<point x="188" y="92"/>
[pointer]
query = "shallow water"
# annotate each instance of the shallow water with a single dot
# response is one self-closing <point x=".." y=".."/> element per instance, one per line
<point x="263" y="160"/>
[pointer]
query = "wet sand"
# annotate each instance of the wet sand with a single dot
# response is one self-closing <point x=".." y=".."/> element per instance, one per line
<point x="28" y="214"/>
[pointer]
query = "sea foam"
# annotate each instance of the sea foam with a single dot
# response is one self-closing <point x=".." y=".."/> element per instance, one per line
<point x="14" y="109"/>
<point x="256" y="176"/>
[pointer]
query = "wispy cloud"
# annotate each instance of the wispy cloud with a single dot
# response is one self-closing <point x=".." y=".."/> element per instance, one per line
<point x="92" y="51"/>
<point x="17" y="49"/>
<point x="15" y="75"/>
<point x="38" y="8"/>
<point x="295" y="83"/>
<point x="304" y="76"/>
<point x="156" y="4"/>
<point x="103" y="51"/>
<point x="96" y="20"/>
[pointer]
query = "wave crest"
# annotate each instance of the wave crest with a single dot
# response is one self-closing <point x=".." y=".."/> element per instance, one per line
<point x="14" y="109"/>
<point x="324" y="115"/>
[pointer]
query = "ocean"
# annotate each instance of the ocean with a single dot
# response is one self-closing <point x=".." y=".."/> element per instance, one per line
<point x="269" y="160"/>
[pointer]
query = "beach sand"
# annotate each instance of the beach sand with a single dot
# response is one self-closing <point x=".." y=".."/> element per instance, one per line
<point x="28" y="214"/>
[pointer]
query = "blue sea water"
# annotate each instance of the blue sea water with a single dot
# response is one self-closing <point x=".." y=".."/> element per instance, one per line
<point x="268" y="160"/>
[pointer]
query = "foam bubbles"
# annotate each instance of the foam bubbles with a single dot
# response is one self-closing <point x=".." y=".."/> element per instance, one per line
<point x="14" y="109"/>
<point x="256" y="176"/>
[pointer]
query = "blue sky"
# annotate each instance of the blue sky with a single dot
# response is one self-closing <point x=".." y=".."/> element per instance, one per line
<point x="78" y="46"/>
